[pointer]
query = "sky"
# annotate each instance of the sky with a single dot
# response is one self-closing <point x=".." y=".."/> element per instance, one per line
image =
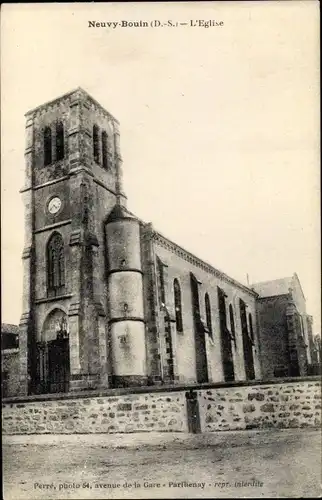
<point x="219" y="125"/>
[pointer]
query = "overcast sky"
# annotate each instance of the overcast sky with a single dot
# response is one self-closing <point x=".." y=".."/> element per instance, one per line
<point x="219" y="126"/>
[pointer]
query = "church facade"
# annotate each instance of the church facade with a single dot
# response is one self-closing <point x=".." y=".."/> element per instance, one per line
<point x="107" y="300"/>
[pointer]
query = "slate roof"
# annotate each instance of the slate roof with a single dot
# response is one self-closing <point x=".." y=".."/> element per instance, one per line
<point x="120" y="212"/>
<point x="273" y="288"/>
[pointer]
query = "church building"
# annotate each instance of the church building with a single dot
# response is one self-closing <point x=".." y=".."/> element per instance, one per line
<point x="108" y="301"/>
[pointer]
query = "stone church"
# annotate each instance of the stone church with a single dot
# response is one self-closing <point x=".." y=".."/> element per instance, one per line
<point x="108" y="301"/>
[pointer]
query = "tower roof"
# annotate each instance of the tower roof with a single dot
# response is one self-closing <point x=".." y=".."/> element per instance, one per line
<point x="118" y="213"/>
<point x="81" y="92"/>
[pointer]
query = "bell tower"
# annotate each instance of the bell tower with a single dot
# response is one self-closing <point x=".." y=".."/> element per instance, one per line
<point x="73" y="180"/>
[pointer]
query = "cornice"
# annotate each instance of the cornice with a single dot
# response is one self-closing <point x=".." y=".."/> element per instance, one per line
<point x="126" y="318"/>
<point x="44" y="300"/>
<point x="45" y="184"/>
<point x="80" y="168"/>
<point x="192" y="259"/>
<point x="126" y="270"/>
<point x="53" y="226"/>
<point x="105" y="186"/>
<point x="50" y="103"/>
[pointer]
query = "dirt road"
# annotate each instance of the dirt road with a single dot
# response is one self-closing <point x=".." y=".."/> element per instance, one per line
<point x="242" y="464"/>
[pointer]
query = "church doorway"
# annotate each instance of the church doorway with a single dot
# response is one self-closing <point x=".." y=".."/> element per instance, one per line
<point x="200" y="340"/>
<point x="225" y="336"/>
<point x="52" y="355"/>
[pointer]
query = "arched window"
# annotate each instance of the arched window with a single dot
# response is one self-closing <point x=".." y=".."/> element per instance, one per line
<point x="104" y="150"/>
<point x="251" y="331"/>
<point x="232" y="323"/>
<point x="208" y="314"/>
<point x="96" y="153"/>
<point x="178" y="305"/>
<point x="47" y="146"/>
<point x="55" y="266"/>
<point x="59" y="141"/>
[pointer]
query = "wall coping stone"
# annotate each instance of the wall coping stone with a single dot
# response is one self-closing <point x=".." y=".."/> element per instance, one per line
<point x="155" y="389"/>
<point x="10" y="350"/>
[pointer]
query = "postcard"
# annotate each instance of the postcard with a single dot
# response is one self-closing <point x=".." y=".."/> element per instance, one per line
<point x="161" y="322"/>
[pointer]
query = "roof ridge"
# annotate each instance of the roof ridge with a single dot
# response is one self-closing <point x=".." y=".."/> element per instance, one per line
<point x="270" y="281"/>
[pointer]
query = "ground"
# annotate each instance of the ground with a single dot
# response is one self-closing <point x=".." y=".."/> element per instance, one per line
<point x="274" y="463"/>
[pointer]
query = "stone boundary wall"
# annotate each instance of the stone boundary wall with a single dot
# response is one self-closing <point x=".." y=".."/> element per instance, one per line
<point x="130" y="413"/>
<point x="293" y="404"/>
<point x="206" y="408"/>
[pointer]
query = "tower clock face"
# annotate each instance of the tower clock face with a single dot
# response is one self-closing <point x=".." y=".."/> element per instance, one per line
<point x="54" y="205"/>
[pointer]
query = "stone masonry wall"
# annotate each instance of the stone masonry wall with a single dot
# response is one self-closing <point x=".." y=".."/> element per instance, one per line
<point x="126" y="413"/>
<point x="293" y="404"/>
<point x="215" y="407"/>
<point x="10" y="372"/>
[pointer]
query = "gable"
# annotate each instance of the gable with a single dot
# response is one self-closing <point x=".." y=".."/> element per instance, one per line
<point x="273" y="288"/>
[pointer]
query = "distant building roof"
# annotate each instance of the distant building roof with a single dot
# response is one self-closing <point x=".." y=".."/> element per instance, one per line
<point x="273" y="287"/>
<point x="9" y="336"/>
<point x="8" y="328"/>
